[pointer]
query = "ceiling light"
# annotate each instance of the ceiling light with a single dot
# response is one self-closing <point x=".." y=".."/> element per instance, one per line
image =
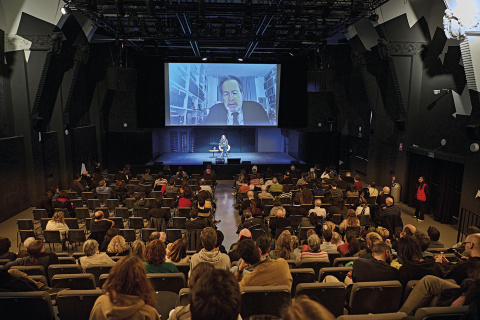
<point x="65" y="10"/>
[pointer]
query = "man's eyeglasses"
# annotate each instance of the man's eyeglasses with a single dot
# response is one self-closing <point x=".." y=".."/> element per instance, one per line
<point x="233" y="93"/>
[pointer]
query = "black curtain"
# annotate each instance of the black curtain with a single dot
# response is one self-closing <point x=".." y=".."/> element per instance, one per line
<point x="444" y="180"/>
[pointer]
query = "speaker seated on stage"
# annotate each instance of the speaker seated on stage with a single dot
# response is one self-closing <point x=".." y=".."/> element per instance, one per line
<point x="233" y="110"/>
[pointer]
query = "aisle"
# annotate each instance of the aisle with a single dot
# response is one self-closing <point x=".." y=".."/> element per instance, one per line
<point x="226" y="212"/>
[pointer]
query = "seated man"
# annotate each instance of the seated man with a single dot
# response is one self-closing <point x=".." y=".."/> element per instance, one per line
<point x="318" y="210"/>
<point x="251" y="223"/>
<point x="264" y="194"/>
<point x="99" y="226"/>
<point x="382" y="197"/>
<point x="197" y="223"/>
<point x="204" y="186"/>
<point x="327" y="245"/>
<point x="266" y="271"/>
<point x="390" y="218"/>
<point x="246" y="202"/>
<point x="279" y="222"/>
<point x="92" y="257"/>
<point x="434" y="236"/>
<point x="208" y="237"/>
<point x="275" y="186"/>
<point x="376" y="269"/>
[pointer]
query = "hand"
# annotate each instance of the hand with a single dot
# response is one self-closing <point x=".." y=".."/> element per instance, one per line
<point x="459" y="302"/>
<point x="439" y="258"/>
<point x="349" y="274"/>
<point x="243" y="265"/>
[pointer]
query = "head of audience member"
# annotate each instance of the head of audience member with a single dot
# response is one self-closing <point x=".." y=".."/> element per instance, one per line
<point x="178" y="251"/>
<point x="194" y="213"/>
<point x="128" y="277"/>
<point x="294" y="242"/>
<point x="112" y="232"/>
<point x="336" y="238"/>
<point x="250" y="195"/>
<point x="248" y="214"/>
<point x="5" y="245"/>
<point x="117" y="245"/>
<point x="58" y="217"/>
<point x="90" y="247"/>
<point x="372" y="238"/>
<point x="249" y="251"/>
<point x="208" y="238"/>
<point x="433" y="233"/>
<point x="409" y="249"/>
<point x="220" y="238"/>
<point x="408" y="230"/>
<point x="312" y="216"/>
<point x="215" y="296"/>
<point x="372" y="184"/>
<point x="351" y="215"/>
<point x="99" y="215"/>
<point x="314" y="242"/>
<point x="163" y="237"/>
<point x="363" y="234"/>
<point x="389" y="202"/>
<point x="383" y="232"/>
<point x="296" y="201"/>
<point x="422" y="240"/>
<point x="352" y="188"/>
<point x="263" y="243"/>
<point x="286" y="188"/>
<point x="274" y="180"/>
<point x="283" y="245"/>
<point x="199" y="271"/>
<point x="244" y="234"/>
<point x="138" y="195"/>
<point x="318" y="202"/>
<point x="327" y="235"/>
<point x="138" y="249"/>
<point x="349" y="235"/>
<point x="263" y="188"/>
<point x="101" y="183"/>
<point x="472" y="245"/>
<point x="304" y="308"/>
<point x="381" y="251"/>
<point x="155" y="235"/>
<point x="310" y="232"/>
<point x="155" y="252"/>
<point x="280" y="213"/>
<point x="34" y="250"/>
<point x="28" y="241"/>
<point x="386" y="190"/>
<point x="353" y="246"/>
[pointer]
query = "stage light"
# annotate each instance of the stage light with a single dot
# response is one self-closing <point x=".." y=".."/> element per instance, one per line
<point x="240" y="59"/>
<point x="65" y="10"/>
<point x="204" y="59"/>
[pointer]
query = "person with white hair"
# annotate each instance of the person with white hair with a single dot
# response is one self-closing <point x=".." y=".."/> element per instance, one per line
<point x="93" y="257"/>
<point x="318" y="210"/>
<point x="264" y="194"/>
<point x="26" y="243"/>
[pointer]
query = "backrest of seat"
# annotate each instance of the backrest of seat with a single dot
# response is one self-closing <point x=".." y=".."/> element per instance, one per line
<point x="184" y="297"/>
<point x="441" y="313"/>
<point x="101" y="279"/>
<point x="303" y="232"/>
<point x="315" y="264"/>
<point x="172" y="282"/>
<point x="330" y="295"/>
<point x="76" y="304"/>
<point x="301" y="275"/>
<point x="264" y="300"/>
<point x="52" y="236"/>
<point x="380" y="316"/>
<point x="183" y="268"/>
<point x="26" y="305"/>
<point x="66" y="260"/>
<point x="32" y="270"/>
<point x="128" y="234"/>
<point x="146" y="232"/>
<point x="342" y="261"/>
<point x="369" y="297"/>
<point x="193" y="239"/>
<point x="83" y="281"/>
<point x="338" y="272"/>
<point x="97" y="271"/>
<point x="63" y="269"/>
<point x="174" y="234"/>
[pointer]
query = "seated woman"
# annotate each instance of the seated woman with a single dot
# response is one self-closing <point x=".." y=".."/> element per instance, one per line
<point x="58" y="223"/>
<point x="317" y="190"/>
<point x="277" y="205"/>
<point x="138" y="249"/>
<point x="256" y="212"/>
<point x="314" y="251"/>
<point x="112" y="232"/>
<point x="352" y="191"/>
<point x="155" y="254"/>
<point x="92" y="257"/>
<point x="306" y="196"/>
<point x="311" y="221"/>
<point x="36" y="256"/>
<point x="177" y="252"/>
<point x="63" y="201"/>
<point x="127" y="293"/>
<point x="203" y="210"/>
<point x="5" y="245"/>
<point x="363" y="207"/>
<point x="339" y="208"/>
<point x="350" y="221"/>
<point x="118" y="247"/>
<point x="286" y="191"/>
<point x="184" y="201"/>
<point x="283" y="247"/>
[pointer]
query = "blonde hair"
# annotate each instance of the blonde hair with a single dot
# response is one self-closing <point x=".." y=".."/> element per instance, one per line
<point x="371" y="238"/>
<point x="283" y="246"/>
<point x="138" y="249"/>
<point x="303" y="308"/>
<point x="117" y="245"/>
<point x="58" y="217"/>
<point x="336" y="238"/>
<point x="384" y="233"/>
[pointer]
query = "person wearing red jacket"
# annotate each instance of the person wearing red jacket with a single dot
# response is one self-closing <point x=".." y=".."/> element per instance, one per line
<point x="422" y="196"/>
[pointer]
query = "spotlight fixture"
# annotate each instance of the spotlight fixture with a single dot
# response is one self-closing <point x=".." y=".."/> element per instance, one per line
<point x="240" y="59"/>
<point x="65" y="10"/>
<point x="204" y="59"/>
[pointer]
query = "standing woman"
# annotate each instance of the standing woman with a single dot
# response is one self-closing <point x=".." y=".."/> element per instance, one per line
<point x="422" y="196"/>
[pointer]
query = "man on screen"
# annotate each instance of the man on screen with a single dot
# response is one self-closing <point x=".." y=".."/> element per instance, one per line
<point x="233" y="110"/>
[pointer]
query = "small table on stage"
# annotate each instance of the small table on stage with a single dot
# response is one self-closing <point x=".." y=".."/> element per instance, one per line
<point x="213" y="151"/>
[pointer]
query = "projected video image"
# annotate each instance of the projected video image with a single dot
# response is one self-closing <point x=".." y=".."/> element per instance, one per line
<point x="211" y="94"/>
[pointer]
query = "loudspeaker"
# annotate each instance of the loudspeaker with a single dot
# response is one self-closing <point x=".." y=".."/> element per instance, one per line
<point x="122" y="79"/>
<point x="473" y="131"/>
<point x="233" y="161"/>
<point x="206" y="163"/>
<point x="248" y="163"/>
<point x="219" y="161"/>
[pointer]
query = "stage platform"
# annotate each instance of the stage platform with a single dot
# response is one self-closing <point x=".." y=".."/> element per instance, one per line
<point x="256" y="158"/>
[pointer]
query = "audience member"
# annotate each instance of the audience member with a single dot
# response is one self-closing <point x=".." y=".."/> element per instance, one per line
<point x="46" y="203"/>
<point x="196" y="223"/>
<point x="264" y="194"/>
<point x="424" y="242"/>
<point x="233" y="253"/>
<point x="390" y="217"/>
<point x="99" y="226"/>
<point x="311" y="221"/>
<point x="103" y="188"/>
<point x="372" y="189"/>
<point x="177" y="252"/>
<point x="352" y="191"/>
<point x="414" y="266"/>
<point x="208" y="238"/>
<point x="283" y="247"/>
<point x="93" y="257"/>
<point x="184" y="201"/>
<point x="434" y="236"/>
<point x="266" y="272"/>
<point x="382" y="197"/>
<point x="5" y="245"/>
<point x="318" y="210"/>
<point x="349" y="236"/>
<point x="376" y="269"/>
<point x="118" y="247"/>
<point x="63" y="201"/>
<point x="219" y="246"/>
<point x="58" y="224"/>
<point x="155" y="254"/>
<point x="108" y="237"/>
<point x="78" y="186"/>
<point x="350" y="222"/>
<point x="26" y="243"/>
<point x="336" y="239"/>
<point x="279" y="222"/>
<point x="138" y="249"/>
<point x="306" y="196"/>
<point x="251" y="223"/>
<point x="314" y="251"/>
<point x="128" y="293"/>
<point x="286" y="191"/>
<point x="36" y="256"/>
<point x="371" y="238"/>
<point x="327" y="245"/>
<point x="304" y="308"/>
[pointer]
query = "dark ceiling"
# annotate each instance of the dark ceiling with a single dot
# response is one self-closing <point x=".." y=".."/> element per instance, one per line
<point x="223" y="29"/>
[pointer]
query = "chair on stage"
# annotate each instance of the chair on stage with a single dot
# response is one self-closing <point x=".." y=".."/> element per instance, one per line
<point x="222" y="151"/>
